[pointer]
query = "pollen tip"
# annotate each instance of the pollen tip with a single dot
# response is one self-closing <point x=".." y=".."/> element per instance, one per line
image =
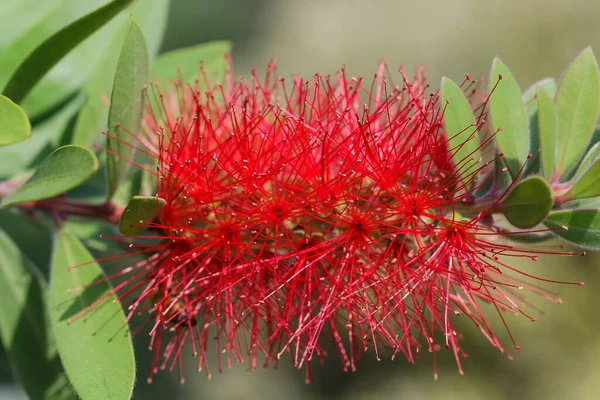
<point x="581" y="283"/>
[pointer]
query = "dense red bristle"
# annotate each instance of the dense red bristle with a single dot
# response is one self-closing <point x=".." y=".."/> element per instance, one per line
<point x="307" y="214"/>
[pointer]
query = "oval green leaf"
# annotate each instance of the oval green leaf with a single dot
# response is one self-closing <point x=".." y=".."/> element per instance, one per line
<point x="547" y="132"/>
<point x="188" y="60"/>
<point x="139" y="212"/>
<point x="509" y="120"/>
<point x="461" y="130"/>
<point x="24" y="331"/>
<point x="14" y="124"/>
<point x="94" y="344"/>
<point x="53" y="49"/>
<point x="577" y="104"/>
<point x="581" y="227"/>
<point x="64" y="169"/>
<point x="126" y="104"/>
<point x="528" y="203"/>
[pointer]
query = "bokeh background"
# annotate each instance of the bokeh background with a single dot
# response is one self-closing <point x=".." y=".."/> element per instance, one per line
<point x="560" y="353"/>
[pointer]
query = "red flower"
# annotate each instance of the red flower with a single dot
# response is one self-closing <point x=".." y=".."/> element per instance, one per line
<point x="310" y="213"/>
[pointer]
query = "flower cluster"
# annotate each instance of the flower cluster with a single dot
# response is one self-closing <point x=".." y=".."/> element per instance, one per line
<point x="314" y="213"/>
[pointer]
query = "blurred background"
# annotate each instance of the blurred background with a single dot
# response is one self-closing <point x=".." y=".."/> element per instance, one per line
<point x="560" y="353"/>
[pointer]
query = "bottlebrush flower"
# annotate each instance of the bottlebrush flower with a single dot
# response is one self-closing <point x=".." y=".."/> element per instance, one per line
<point x="307" y="214"/>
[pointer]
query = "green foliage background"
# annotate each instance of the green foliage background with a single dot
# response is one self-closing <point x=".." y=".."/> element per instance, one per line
<point x="559" y="352"/>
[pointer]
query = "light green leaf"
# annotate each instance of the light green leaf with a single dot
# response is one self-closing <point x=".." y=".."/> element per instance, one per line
<point x="508" y="118"/>
<point x="53" y="49"/>
<point x="151" y="15"/>
<point x="94" y="344"/>
<point x="14" y="124"/>
<point x="529" y="95"/>
<point x="126" y="106"/>
<point x="139" y="212"/>
<point x="581" y="227"/>
<point x="64" y="169"/>
<point x="45" y="138"/>
<point x="27" y="12"/>
<point x="586" y="183"/>
<point x="188" y="62"/>
<point x="24" y="327"/>
<point x="459" y="123"/>
<point x="528" y="203"/>
<point x="577" y="104"/>
<point x="547" y="132"/>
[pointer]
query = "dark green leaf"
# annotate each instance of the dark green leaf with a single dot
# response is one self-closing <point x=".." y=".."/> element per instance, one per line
<point x="53" y="49"/>
<point x="139" y="212"/>
<point x="64" y="169"/>
<point x="24" y="327"/>
<point x="94" y="344"/>
<point x="581" y="227"/>
<point x="151" y="15"/>
<point x="459" y="122"/>
<point x="126" y="104"/>
<point x="509" y="120"/>
<point x="528" y="203"/>
<point x="547" y="132"/>
<point x="188" y="62"/>
<point x="577" y="104"/>
<point x="14" y="124"/>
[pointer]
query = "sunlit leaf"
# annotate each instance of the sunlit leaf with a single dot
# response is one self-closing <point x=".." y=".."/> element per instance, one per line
<point x="53" y="49"/>
<point x="14" y="124"/>
<point x="95" y="347"/>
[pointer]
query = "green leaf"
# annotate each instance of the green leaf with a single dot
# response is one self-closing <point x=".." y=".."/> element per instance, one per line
<point x="528" y="203"/>
<point x="509" y="120"/>
<point x="64" y="169"/>
<point x="547" y="131"/>
<point x="45" y="137"/>
<point x="529" y="95"/>
<point x="582" y="204"/>
<point x="534" y="165"/>
<point x="24" y="327"/>
<point x="27" y="12"/>
<point x="53" y="49"/>
<point x="139" y="212"/>
<point x="577" y="104"/>
<point x="126" y="104"/>
<point x="14" y="124"/>
<point x="581" y="227"/>
<point x="459" y="123"/>
<point x="94" y="344"/>
<point x="151" y="15"/>
<point x="188" y="62"/>
<point x="586" y="182"/>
